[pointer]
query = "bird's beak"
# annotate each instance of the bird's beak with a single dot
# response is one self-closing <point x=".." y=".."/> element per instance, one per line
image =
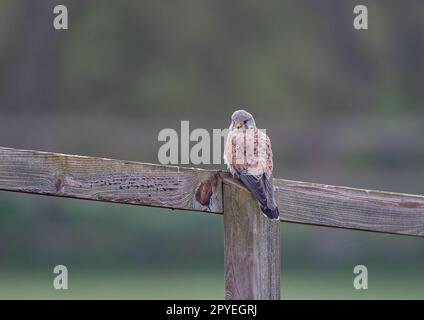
<point x="238" y="124"/>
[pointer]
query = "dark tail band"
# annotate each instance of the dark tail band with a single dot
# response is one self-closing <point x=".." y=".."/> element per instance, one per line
<point x="271" y="213"/>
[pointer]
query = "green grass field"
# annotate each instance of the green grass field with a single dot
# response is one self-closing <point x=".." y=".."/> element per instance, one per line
<point x="128" y="252"/>
<point x="132" y="285"/>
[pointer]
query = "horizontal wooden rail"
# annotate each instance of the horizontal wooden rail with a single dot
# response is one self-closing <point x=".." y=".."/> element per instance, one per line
<point x="351" y="208"/>
<point x="201" y="190"/>
<point x="109" y="180"/>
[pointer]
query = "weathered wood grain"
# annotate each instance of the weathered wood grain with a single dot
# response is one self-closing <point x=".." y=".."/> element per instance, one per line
<point x="252" y="248"/>
<point x="109" y="180"/>
<point x="343" y="207"/>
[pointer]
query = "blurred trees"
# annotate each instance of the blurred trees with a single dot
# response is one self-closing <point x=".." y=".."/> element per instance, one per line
<point x="157" y="57"/>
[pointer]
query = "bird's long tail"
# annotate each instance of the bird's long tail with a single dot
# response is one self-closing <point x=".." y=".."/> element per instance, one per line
<point x="270" y="213"/>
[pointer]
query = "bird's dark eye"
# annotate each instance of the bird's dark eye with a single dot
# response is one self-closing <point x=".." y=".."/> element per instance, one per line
<point x="245" y="121"/>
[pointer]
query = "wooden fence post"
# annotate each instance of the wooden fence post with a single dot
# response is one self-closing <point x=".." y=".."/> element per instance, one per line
<point x="252" y="248"/>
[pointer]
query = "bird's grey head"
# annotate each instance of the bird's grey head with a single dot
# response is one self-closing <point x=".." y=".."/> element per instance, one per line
<point x="241" y="119"/>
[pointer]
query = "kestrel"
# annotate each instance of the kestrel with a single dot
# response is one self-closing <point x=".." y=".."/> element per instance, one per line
<point x="248" y="156"/>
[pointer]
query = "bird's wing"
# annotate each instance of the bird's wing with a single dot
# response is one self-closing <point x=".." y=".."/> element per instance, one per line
<point x="229" y="152"/>
<point x="265" y="153"/>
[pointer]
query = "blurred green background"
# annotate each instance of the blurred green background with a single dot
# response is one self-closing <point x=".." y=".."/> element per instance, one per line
<point x="341" y="106"/>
